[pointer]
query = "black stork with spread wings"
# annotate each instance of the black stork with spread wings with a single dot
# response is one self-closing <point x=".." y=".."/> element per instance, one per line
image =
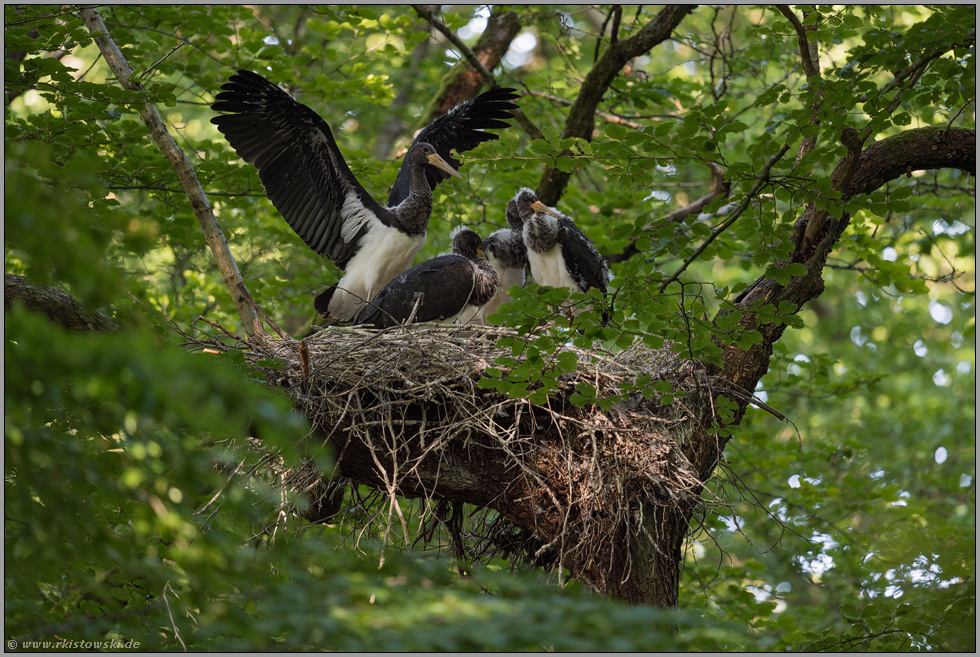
<point x="307" y="179"/>
<point x="451" y="288"/>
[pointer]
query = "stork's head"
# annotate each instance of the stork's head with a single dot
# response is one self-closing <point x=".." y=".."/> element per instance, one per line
<point x="423" y="154"/>
<point x="467" y="243"/>
<point x="528" y="205"/>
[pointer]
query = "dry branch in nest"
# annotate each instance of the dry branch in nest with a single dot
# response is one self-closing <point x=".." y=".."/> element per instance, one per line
<point x="555" y="484"/>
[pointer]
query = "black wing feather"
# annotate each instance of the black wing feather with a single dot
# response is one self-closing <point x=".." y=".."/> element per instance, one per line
<point x="303" y="171"/>
<point x="586" y="266"/>
<point x="461" y="128"/>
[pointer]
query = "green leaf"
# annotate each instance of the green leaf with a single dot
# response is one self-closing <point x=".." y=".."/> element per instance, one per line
<point x="616" y="131"/>
<point x="567" y="361"/>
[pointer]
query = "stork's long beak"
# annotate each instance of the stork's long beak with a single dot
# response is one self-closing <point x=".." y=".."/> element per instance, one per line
<point x="440" y="163"/>
<point x="538" y="206"/>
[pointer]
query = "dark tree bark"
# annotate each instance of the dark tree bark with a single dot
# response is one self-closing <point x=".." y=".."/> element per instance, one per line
<point x="939" y="147"/>
<point x="464" y="80"/>
<point x="581" y="117"/>
<point x="59" y="307"/>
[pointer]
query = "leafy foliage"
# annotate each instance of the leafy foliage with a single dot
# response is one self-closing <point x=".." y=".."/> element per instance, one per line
<point x="853" y="528"/>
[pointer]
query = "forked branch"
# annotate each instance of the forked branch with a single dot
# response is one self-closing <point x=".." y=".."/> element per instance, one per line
<point x="581" y="117"/>
<point x="496" y="39"/>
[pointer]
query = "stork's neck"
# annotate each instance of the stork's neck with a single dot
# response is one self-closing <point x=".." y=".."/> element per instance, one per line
<point x="540" y="232"/>
<point x="487" y="281"/>
<point x="413" y="213"/>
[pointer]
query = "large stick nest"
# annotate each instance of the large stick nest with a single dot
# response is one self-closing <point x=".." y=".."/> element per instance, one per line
<point x="557" y="484"/>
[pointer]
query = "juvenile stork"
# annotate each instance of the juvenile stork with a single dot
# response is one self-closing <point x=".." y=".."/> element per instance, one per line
<point x="558" y="252"/>
<point x="506" y="252"/>
<point x="307" y="179"/>
<point x="451" y="288"/>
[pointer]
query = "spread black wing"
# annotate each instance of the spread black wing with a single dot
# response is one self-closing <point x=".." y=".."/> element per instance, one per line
<point x="445" y="284"/>
<point x="304" y="173"/>
<point x="461" y="128"/>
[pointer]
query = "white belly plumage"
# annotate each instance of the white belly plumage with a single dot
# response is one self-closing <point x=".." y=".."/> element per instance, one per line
<point x="383" y="253"/>
<point x="549" y="269"/>
<point x="466" y="315"/>
<point x="508" y="277"/>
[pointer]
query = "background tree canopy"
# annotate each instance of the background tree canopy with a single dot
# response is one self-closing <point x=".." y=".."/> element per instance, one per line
<point x="761" y="179"/>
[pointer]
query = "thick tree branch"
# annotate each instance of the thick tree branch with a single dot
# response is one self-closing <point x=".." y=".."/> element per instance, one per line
<point x="888" y="159"/>
<point x="919" y="149"/>
<point x="462" y="83"/>
<point x="185" y="170"/>
<point x="581" y="117"/>
<point x="59" y="307"/>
